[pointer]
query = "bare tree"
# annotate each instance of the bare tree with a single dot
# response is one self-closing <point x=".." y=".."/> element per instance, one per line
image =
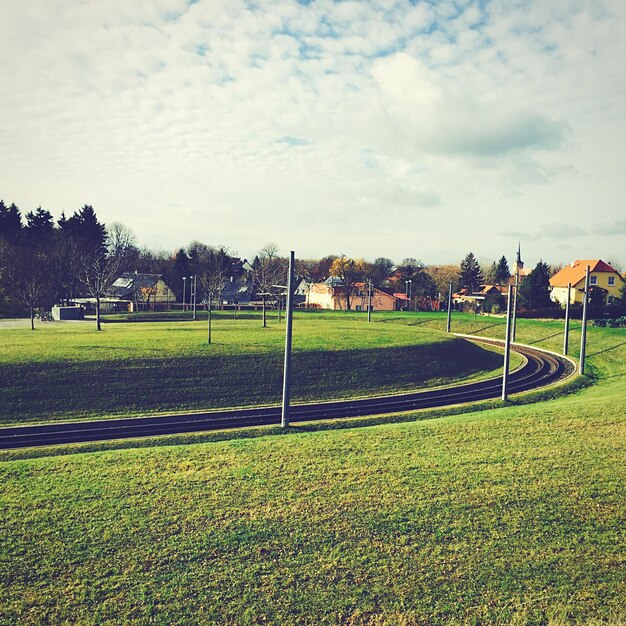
<point x="99" y="268"/>
<point x="213" y="268"/>
<point x="268" y="273"/>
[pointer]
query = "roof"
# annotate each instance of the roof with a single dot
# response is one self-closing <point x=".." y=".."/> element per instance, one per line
<point x="575" y="272"/>
<point x="125" y="285"/>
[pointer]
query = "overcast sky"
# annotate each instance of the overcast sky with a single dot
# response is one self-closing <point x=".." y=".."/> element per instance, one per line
<point x="381" y="128"/>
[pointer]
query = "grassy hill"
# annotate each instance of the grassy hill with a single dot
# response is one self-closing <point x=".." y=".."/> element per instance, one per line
<point x="72" y="371"/>
<point x="511" y="515"/>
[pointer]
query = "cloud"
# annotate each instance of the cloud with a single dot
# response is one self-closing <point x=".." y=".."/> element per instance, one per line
<point x="446" y="121"/>
<point x="618" y="227"/>
<point x="189" y="120"/>
<point x="562" y="230"/>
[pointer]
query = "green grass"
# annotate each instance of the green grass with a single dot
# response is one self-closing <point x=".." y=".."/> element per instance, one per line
<point x="511" y="515"/>
<point x="72" y="371"/>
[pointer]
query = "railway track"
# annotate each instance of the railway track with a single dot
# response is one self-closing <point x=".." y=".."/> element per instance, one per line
<point x="540" y="369"/>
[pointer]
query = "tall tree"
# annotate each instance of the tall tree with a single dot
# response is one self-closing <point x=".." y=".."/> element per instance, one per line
<point x="87" y="231"/>
<point x="181" y="269"/>
<point x="443" y="275"/>
<point x="382" y="271"/>
<point x="213" y="273"/>
<point x="534" y="290"/>
<point x="10" y="222"/>
<point x="502" y="273"/>
<point x="471" y="276"/>
<point x="350" y="272"/>
<point x="268" y="271"/>
<point x="100" y="266"/>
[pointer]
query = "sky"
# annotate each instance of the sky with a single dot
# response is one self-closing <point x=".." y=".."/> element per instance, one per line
<point x="366" y="128"/>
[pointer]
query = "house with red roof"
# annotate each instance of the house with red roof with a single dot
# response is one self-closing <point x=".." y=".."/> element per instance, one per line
<point x="605" y="282"/>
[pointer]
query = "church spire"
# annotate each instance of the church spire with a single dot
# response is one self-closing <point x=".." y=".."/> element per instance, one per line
<point x="519" y="264"/>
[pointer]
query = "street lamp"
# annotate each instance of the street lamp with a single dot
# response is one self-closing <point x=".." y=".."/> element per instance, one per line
<point x="184" y="287"/>
<point x="408" y="293"/>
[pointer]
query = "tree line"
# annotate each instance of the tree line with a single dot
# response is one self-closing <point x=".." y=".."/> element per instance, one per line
<point x="44" y="262"/>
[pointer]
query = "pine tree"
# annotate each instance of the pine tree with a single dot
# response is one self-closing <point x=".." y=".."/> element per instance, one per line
<point x="10" y="222"/>
<point x="88" y="233"/>
<point x="471" y="275"/>
<point x="534" y="291"/>
<point x="503" y="273"/>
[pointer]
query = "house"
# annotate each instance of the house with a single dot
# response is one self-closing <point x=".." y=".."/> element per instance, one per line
<point x="605" y="282"/>
<point x="236" y="291"/>
<point x="331" y="295"/>
<point x="141" y="290"/>
<point x="476" y="298"/>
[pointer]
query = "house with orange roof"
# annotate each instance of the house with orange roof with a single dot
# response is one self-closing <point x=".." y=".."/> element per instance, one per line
<point x="605" y="282"/>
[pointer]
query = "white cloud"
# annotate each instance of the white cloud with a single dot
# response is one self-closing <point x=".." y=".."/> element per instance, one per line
<point x="405" y="125"/>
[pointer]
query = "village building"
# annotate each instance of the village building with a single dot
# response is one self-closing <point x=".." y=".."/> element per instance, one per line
<point x="605" y="282"/>
<point x="331" y="294"/>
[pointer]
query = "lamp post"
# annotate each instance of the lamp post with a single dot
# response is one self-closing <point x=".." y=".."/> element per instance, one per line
<point x="449" y="308"/>
<point x="514" y="320"/>
<point x="408" y="293"/>
<point x="583" y="336"/>
<point x="184" y="288"/>
<point x="507" y="348"/>
<point x="369" y="300"/>
<point x="288" y="331"/>
<point x="566" y="333"/>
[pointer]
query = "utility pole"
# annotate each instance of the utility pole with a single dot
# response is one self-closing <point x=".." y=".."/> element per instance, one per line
<point x="507" y="348"/>
<point x="195" y="285"/>
<point x="583" y="336"/>
<point x="287" y="368"/>
<point x="209" y="316"/>
<point x="514" y="325"/>
<point x="369" y="300"/>
<point x="566" y="333"/>
<point x="449" y="307"/>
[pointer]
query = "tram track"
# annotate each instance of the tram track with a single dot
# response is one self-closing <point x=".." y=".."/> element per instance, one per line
<point x="540" y="369"/>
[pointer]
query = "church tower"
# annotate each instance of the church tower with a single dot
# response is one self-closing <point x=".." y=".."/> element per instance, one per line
<point x="519" y="264"/>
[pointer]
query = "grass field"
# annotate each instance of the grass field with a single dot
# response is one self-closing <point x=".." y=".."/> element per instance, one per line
<point x="514" y="515"/>
<point x="71" y="371"/>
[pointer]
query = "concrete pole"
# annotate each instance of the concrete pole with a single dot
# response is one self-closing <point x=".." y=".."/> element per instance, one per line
<point x="566" y="333"/>
<point x="195" y="286"/>
<point x="287" y="369"/>
<point x="209" y="320"/>
<point x="583" y="336"/>
<point x="369" y="301"/>
<point x="449" y="307"/>
<point x="514" y="321"/>
<point x="507" y="348"/>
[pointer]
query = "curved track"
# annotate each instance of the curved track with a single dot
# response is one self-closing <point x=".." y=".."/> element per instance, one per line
<point x="540" y="369"/>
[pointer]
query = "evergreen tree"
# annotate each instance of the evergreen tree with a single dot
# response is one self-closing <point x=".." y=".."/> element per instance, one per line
<point x="534" y="291"/>
<point x="88" y="234"/>
<point x="10" y="222"/>
<point x="471" y="275"/>
<point x="502" y="273"/>
<point x="39" y="225"/>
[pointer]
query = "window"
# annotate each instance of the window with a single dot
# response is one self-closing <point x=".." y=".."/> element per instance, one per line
<point x="611" y="281"/>
<point x="594" y="280"/>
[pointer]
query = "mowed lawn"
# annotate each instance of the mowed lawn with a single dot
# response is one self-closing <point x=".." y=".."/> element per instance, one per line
<point x="513" y="515"/>
<point x="70" y="371"/>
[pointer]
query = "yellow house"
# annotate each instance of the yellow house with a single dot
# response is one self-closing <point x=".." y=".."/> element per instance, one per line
<point x="331" y="295"/>
<point x="605" y="282"/>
